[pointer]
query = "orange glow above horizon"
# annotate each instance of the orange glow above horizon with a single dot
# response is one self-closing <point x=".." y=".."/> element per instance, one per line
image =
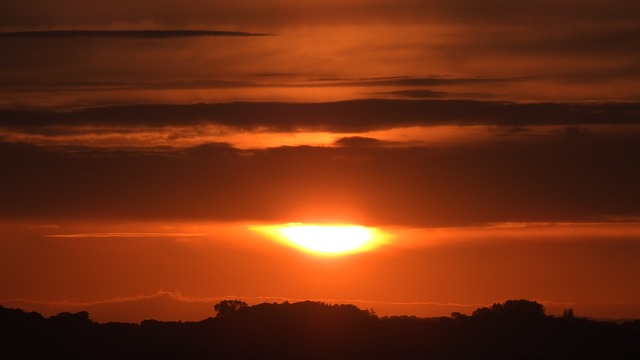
<point x="325" y="239"/>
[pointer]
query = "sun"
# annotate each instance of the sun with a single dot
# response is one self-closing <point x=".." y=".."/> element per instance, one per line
<point x="328" y="238"/>
<point x="325" y="239"/>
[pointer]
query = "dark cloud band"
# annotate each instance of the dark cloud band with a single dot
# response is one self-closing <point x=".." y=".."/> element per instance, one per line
<point x="142" y="34"/>
<point x="343" y="116"/>
<point x="554" y="179"/>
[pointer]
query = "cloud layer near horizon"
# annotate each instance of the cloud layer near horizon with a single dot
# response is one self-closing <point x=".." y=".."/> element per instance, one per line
<point x="346" y="116"/>
<point x="174" y="306"/>
<point x="583" y="178"/>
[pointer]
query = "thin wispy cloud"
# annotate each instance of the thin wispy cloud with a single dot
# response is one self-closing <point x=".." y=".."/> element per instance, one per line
<point x="413" y="81"/>
<point x="124" y="235"/>
<point x="282" y="81"/>
<point x="122" y="34"/>
<point x="414" y="93"/>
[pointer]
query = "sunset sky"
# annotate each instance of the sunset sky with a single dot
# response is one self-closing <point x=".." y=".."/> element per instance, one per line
<point x="147" y="147"/>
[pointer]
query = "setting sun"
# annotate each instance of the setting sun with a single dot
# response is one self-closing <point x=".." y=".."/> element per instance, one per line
<point x="325" y="239"/>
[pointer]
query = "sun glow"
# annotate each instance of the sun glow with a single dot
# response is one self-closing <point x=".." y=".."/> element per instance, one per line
<point x="323" y="239"/>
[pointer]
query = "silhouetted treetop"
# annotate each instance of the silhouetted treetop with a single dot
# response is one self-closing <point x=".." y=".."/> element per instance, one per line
<point x="515" y="329"/>
<point x="520" y="310"/>
<point x="226" y="308"/>
<point x="78" y="317"/>
<point x="568" y="314"/>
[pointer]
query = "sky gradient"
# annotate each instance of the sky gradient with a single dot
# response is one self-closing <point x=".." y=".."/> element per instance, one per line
<point x="497" y="143"/>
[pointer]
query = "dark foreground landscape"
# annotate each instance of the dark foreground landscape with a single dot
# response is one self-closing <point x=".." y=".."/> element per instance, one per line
<point x="516" y="329"/>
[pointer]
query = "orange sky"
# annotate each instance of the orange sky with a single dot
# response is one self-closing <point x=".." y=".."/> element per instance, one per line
<point x="496" y="143"/>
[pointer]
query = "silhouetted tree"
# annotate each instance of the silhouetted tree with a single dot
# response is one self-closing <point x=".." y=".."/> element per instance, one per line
<point x="226" y="308"/>
<point x="512" y="309"/>
<point x="522" y="309"/>
<point x="457" y="316"/>
<point x="568" y="314"/>
<point x="78" y="317"/>
<point x="516" y="329"/>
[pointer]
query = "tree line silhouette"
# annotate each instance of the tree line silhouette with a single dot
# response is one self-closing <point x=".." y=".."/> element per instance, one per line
<point x="515" y="329"/>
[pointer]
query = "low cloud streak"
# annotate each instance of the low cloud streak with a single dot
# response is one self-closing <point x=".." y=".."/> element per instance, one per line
<point x="344" y="116"/>
<point x="120" y="34"/>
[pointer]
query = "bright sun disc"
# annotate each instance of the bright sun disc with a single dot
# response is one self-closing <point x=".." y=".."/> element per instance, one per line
<point x="329" y="239"/>
<point x="325" y="239"/>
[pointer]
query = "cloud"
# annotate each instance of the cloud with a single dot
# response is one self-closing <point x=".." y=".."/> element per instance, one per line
<point x="495" y="43"/>
<point x="290" y="81"/>
<point x="358" y="141"/>
<point x="413" y="81"/>
<point x="344" y="116"/>
<point x="123" y="235"/>
<point x="123" y="34"/>
<point x="285" y="13"/>
<point x="423" y="93"/>
<point x="555" y="179"/>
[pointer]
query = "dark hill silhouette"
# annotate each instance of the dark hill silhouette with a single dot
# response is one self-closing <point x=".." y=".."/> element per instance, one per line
<point x="516" y="329"/>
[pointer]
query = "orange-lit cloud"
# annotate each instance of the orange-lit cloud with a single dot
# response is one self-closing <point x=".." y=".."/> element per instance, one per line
<point x="581" y="53"/>
<point x="628" y="229"/>
<point x="273" y="124"/>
